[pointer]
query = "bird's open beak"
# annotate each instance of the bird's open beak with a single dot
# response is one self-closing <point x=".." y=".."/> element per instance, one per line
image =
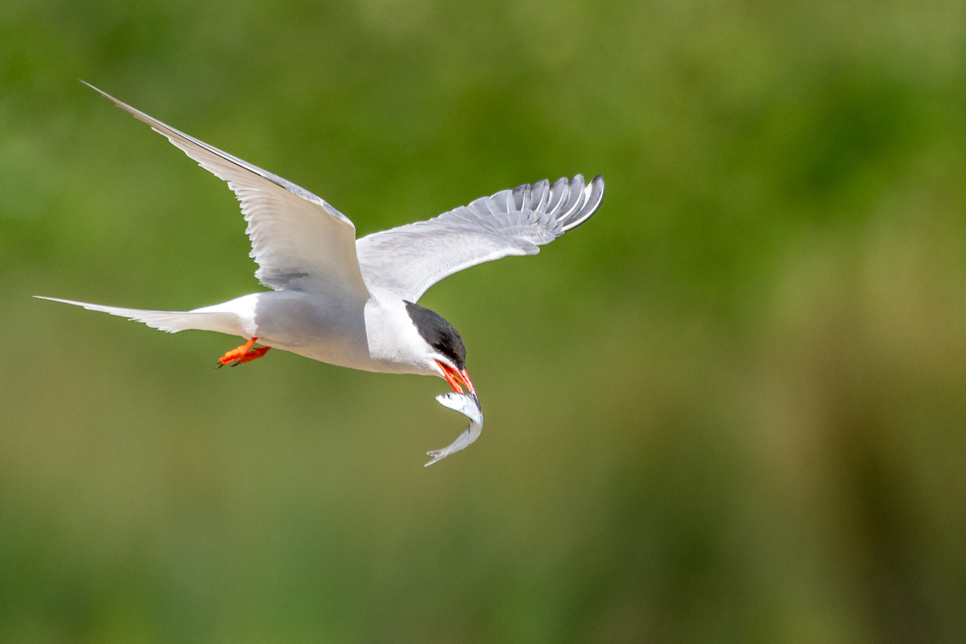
<point x="457" y="379"/>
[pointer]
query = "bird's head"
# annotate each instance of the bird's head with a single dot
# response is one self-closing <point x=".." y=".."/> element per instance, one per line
<point x="446" y="348"/>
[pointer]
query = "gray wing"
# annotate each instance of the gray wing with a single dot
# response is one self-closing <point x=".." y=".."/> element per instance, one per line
<point x="298" y="240"/>
<point x="409" y="259"/>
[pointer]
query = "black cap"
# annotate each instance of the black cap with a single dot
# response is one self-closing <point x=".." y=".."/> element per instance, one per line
<point x="438" y="333"/>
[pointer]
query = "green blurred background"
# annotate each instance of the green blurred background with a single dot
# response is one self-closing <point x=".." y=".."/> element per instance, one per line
<point x="731" y="408"/>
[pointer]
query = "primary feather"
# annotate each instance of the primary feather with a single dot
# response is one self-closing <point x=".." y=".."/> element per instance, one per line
<point x="407" y="260"/>
<point x="298" y="240"/>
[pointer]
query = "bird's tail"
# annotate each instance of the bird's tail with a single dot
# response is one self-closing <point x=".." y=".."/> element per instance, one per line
<point x="170" y="321"/>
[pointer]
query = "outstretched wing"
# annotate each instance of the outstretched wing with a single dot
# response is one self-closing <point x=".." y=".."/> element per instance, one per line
<point x="409" y="259"/>
<point x="298" y="240"/>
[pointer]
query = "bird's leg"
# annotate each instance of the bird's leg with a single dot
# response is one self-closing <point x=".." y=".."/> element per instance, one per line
<point x="242" y="354"/>
<point x="236" y="354"/>
<point x="253" y="354"/>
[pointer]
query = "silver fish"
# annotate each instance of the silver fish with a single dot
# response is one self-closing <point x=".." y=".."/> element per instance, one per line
<point x="469" y="406"/>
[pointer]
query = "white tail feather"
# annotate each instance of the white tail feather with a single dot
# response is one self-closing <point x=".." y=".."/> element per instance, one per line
<point x="170" y="321"/>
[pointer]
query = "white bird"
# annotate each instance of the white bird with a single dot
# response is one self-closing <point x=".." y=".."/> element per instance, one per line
<point x="352" y="302"/>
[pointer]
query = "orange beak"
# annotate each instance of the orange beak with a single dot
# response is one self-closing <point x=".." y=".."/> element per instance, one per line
<point x="457" y="379"/>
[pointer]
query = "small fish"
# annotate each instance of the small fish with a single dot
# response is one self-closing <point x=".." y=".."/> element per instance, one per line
<point x="469" y="406"/>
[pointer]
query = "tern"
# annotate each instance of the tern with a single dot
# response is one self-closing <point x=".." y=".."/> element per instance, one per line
<point x="353" y="302"/>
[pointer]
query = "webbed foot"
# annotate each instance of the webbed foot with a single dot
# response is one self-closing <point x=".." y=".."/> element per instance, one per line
<point x="241" y="355"/>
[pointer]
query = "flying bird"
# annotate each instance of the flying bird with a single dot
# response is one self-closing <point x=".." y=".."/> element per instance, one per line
<point x="353" y="302"/>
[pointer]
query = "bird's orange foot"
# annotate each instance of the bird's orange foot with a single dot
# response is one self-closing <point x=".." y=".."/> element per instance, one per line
<point x="241" y="355"/>
<point x="253" y="354"/>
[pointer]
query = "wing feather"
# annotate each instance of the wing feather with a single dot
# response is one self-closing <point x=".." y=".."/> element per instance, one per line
<point x="298" y="240"/>
<point x="407" y="260"/>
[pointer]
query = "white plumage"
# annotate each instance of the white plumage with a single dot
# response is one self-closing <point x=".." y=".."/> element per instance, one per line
<point x="351" y="302"/>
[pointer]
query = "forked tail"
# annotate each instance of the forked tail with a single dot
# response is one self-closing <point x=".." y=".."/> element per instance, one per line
<point x="170" y="321"/>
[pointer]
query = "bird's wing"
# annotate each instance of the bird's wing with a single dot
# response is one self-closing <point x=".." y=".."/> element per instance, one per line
<point x="298" y="240"/>
<point x="409" y="259"/>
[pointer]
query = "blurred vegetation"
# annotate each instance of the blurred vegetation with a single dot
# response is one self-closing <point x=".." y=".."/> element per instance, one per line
<point x="731" y="408"/>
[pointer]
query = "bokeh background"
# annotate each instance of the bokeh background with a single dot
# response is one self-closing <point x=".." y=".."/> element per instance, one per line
<point x="731" y="408"/>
